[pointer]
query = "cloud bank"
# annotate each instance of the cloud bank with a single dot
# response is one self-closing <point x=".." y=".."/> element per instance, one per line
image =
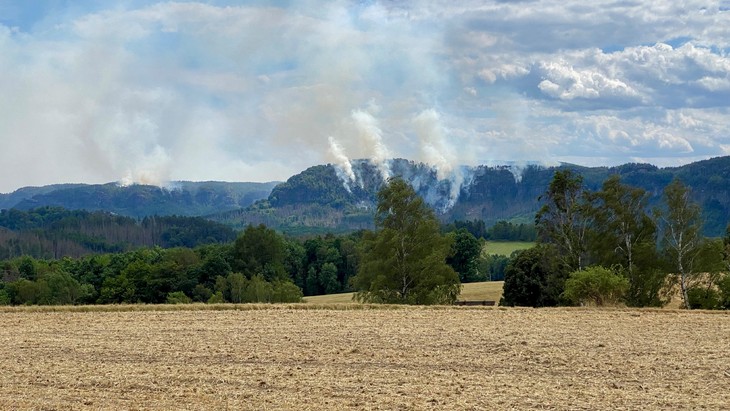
<point x="147" y="92"/>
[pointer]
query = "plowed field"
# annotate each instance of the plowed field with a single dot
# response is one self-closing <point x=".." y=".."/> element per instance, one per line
<point x="330" y="359"/>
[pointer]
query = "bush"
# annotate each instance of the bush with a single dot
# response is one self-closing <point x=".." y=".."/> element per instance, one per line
<point x="286" y="292"/>
<point x="217" y="298"/>
<point x="201" y="293"/>
<point x="705" y="298"/>
<point x="178" y="297"/>
<point x="724" y="287"/>
<point x="258" y="290"/>
<point x="595" y="285"/>
<point x="4" y="298"/>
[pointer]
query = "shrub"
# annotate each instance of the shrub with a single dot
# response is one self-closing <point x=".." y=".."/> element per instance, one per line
<point x="258" y="290"/>
<point x="178" y="297"/>
<point x="4" y="297"/>
<point x="216" y="298"/>
<point x="286" y="292"/>
<point x="724" y="287"/>
<point x="595" y="285"/>
<point x="705" y="298"/>
<point x="201" y="293"/>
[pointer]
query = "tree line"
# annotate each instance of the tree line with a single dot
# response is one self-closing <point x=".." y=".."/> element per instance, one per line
<point x="606" y="246"/>
<point x="260" y="265"/>
<point x="54" y="232"/>
<point x="501" y="231"/>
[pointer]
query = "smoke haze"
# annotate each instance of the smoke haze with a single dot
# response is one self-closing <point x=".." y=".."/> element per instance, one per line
<point x="147" y="92"/>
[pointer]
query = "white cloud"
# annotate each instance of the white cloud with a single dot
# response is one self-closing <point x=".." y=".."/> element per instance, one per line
<point x="564" y="82"/>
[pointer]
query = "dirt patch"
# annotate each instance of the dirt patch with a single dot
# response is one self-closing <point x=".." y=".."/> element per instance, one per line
<point x="410" y="358"/>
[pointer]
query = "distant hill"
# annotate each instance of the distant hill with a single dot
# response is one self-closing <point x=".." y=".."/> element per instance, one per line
<point x="11" y="199"/>
<point x="316" y="200"/>
<point x="184" y="198"/>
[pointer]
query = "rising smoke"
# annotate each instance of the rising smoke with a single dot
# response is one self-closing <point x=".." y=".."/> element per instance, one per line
<point x="252" y="105"/>
<point x="371" y="138"/>
<point x="342" y="163"/>
<point x="440" y="187"/>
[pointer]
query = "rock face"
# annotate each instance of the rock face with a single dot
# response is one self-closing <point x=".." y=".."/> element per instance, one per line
<point x="319" y="197"/>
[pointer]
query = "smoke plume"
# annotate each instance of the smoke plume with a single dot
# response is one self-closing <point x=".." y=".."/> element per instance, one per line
<point x="342" y="163"/>
<point x="437" y="152"/>
<point x="371" y="138"/>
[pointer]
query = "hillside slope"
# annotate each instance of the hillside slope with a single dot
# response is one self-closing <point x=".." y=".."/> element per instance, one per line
<point x="317" y="199"/>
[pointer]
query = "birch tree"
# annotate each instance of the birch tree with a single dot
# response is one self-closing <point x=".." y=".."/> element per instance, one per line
<point x="563" y="219"/>
<point x="624" y="234"/>
<point x="404" y="261"/>
<point x="682" y="222"/>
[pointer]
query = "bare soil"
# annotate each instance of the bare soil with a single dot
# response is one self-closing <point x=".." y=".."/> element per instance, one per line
<point x="285" y="357"/>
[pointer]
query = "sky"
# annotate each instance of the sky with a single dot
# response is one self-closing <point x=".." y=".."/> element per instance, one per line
<point x="150" y="92"/>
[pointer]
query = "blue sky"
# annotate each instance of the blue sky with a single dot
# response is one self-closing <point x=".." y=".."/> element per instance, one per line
<point x="143" y="91"/>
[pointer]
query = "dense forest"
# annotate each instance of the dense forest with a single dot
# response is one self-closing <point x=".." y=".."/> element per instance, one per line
<point x="54" y="232"/>
<point x="195" y="260"/>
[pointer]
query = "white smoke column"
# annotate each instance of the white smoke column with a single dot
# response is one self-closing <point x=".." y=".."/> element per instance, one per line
<point x="371" y="136"/>
<point x="434" y="149"/>
<point x="437" y="152"/>
<point x="342" y="163"/>
<point x="152" y="169"/>
<point x="517" y="169"/>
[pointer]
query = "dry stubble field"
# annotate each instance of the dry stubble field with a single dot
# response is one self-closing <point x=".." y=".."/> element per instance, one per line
<point x="286" y="357"/>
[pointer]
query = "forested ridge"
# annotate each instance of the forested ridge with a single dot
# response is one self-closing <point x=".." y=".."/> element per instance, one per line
<point x="316" y="201"/>
<point x="317" y="198"/>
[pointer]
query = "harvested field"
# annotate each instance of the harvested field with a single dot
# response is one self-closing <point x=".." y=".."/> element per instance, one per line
<point x="289" y="357"/>
<point x="487" y="290"/>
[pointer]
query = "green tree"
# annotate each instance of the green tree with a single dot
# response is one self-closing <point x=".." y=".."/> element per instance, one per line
<point x="260" y="250"/>
<point x="595" y="285"/>
<point x="221" y="287"/>
<point x="216" y="298"/>
<point x="328" y="278"/>
<point x="464" y="258"/>
<point x="405" y="260"/>
<point x="624" y="234"/>
<point x="564" y="219"/>
<point x="23" y="291"/>
<point x="681" y="237"/>
<point x="534" y="278"/>
<point x="259" y="290"/>
<point x="117" y="289"/>
<point x="237" y="284"/>
<point x="492" y="267"/>
<point x="201" y="293"/>
<point x="64" y="289"/>
<point x="294" y="262"/>
<point x="27" y="268"/>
